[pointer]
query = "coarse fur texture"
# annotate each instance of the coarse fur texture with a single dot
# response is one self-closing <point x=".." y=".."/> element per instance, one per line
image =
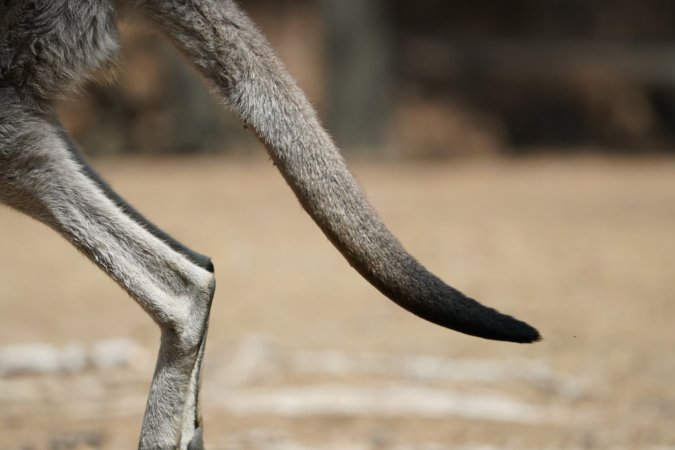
<point x="48" y="47"/>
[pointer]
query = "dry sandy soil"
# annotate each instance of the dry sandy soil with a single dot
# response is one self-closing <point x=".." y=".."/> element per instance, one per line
<point x="303" y="354"/>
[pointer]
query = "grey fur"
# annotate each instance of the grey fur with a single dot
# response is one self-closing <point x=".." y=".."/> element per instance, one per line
<point x="48" y="47"/>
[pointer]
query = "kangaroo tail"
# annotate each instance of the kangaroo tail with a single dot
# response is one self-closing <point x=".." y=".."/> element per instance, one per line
<point x="234" y="57"/>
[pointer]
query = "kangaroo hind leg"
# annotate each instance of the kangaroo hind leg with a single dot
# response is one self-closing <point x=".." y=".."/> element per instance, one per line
<point x="42" y="175"/>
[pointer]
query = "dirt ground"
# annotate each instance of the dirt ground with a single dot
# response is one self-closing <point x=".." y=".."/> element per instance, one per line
<point x="303" y="354"/>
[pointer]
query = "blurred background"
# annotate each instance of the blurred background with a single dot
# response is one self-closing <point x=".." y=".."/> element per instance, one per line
<point x="521" y="150"/>
<point x="425" y="79"/>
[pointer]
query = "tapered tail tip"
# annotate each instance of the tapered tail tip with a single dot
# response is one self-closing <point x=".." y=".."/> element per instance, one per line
<point x="455" y="311"/>
<point x="523" y="333"/>
<point x="497" y="326"/>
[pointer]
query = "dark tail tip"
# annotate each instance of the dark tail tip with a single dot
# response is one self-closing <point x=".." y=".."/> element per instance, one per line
<point x="516" y="331"/>
<point x="470" y="317"/>
<point x="443" y="305"/>
<point x="528" y="335"/>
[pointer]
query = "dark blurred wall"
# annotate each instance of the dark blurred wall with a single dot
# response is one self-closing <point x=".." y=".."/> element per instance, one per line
<point x="569" y="75"/>
<point x="424" y="78"/>
<point x="359" y="72"/>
